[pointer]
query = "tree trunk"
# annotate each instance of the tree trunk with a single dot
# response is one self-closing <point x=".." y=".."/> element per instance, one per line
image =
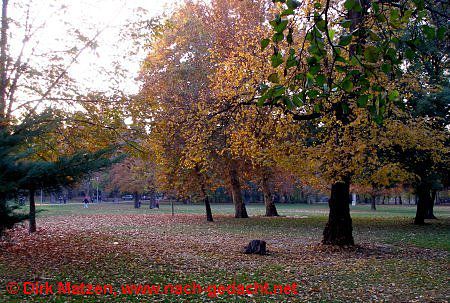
<point x="338" y="230"/>
<point x="271" y="210"/>
<point x="373" y="203"/>
<point x="209" y="216"/>
<point x="3" y="60"/>
<point x="423" y="202"/>
<point x="239" y="206"/>
<point x="136" y="200"/>
<point x="32" y="215"/>
<point x="430" y="206"/>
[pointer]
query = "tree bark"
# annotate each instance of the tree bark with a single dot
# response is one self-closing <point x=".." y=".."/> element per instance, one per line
<point x="209" y="216"/>
<point x="373" y="203"/>
<point x="32" y="214"/>
<point x="271" y="210"/>
<point x="423" y="202"/>
<point x="430" y="206"/>
<point x="136" y="200"/>
<point x="239" y="206"/>
<point x="338" y="230"/>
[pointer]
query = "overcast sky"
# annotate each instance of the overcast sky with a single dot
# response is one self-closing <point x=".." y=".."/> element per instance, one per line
<point x="90" y="16"/>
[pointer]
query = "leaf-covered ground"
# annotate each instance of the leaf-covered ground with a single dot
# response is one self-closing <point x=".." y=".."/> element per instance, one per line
<point x="394" y="260"/>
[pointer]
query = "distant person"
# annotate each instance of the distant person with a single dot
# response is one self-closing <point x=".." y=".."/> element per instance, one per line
<point x="86" y="201"/>
<point x="64" y="199"/>
<point x="60" y="199"/>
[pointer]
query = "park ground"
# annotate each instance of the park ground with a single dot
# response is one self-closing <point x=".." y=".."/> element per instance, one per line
<point x="393" y="261"/>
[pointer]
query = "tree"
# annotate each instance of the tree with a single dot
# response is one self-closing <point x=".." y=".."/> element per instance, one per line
<point x="340" y="72"/>
<point x="133" y="175"/>
<point x="22" y="171"/>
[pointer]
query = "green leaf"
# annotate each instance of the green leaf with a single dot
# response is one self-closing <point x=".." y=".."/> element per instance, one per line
<point x="345" y="40"/>
<point x="386" y="68"/>
<point x="314" y="69"/>
<point x="291" y="61"/>
<point x="279" y="28"/>
<point x="321" y="25"/>
<point x="317" y="108"/>
<point x="393" y="95"/>
<point x="261" y="100"/>
<point x="320" y="80"/>
<point x="331" y="33"/>
<point x="274" y="78"/>
<point x="278" y="91"/>
<point x="288" y="103"/>
<point x="264" y="43"/>
<point x="277" y="60"/>
<point x="309" y="80"/>
<point x="347" y="85"/>
<point x="317" y="5"/>
<point x="292" y="4"/>
<point x="340" y="59"/>
<point x="312" y="94"/>
<point x="287" y="12"/>
<point x="371" y="54"/>
<point x="375" y="7"/>
<point x="345" y="108"/>
<point x="429" y="32"/>
<point x="277" y="37"/>
<point x="346" y="23"/>
<point x="362" y="100"/>
<point x="297" y="100"/>
<point x="441" y="33"/>
<point x="395" y="15"/>
<point x="357" y="8"/>
<point x="391" y="54"/>
<point x="373" y="36"/>
<point x="349" y="4"/>
<point x="410" y="54"/>
<point x="381" y="18"/>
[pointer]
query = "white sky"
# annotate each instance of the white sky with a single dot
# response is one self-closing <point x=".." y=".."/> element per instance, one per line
<point x="90" y="16"/>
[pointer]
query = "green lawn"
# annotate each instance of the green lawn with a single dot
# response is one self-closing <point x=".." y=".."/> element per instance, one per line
<point x="116" y="244"/>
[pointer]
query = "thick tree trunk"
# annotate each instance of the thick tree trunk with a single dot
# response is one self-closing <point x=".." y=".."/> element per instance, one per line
<point x="338" y="230"/>
<point x="271" y="210"/>
<point x="373" y="203"/>
<point x="430" y="206"/>
<point x="423" y="202"/>
<point x="137" y="204"/>
<point x="239" y="206"/>
<point x="32" y="215"/>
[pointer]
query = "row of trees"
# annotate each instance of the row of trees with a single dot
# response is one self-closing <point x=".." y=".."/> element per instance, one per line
<point x="329" y="93"/>
<point x="324" y="94"/>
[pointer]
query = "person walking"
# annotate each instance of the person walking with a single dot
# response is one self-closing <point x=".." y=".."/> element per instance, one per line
<point x="86" y="201"/>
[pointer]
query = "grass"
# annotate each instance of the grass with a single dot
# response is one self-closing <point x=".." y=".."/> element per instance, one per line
<point x="394" y="260"/>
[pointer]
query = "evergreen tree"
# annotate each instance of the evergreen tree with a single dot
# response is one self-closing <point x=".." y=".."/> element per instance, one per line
<point x="19" y="170"/>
